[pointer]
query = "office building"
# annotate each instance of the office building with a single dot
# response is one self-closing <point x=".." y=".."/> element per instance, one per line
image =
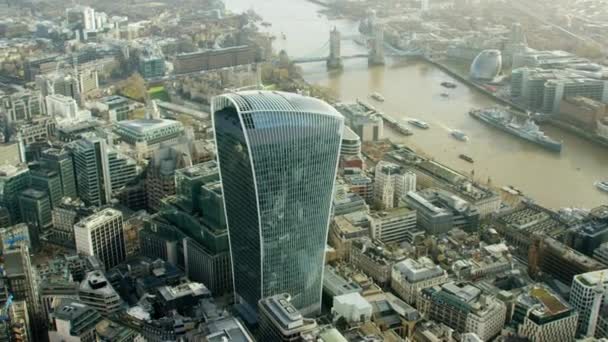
<point x="60" y="106"/>
<point x="118" y="108"/>
<point x="360" y="184"/>
<point x="74" y="321"/>
<point x="464" y="308"/>
<point x="543" y="316"/>
<point x="601" y="254"/>
<point x="101" y="235"/>
<point x="56" y="284"/>
<point x="346" y="203"/>
<point x="588" y="295"/>
<point x="344" y="229"/>
<point x="213" y="59"/>
<point x="60" y="161"/>
<point x="92" y="171"/>
<point x="82" y="17"/>
<point x="14" y="236"/>
<point x="146" y="135"/>
<point x="391" y="183"/>
<point x="151" y="65"/>
<point x="587" y="235"/>
<point x="365" y="123"/>
<point x="22" y="106"/>
<point x="23" y="283"/>
<point x="65" y="215"/>
<point x="549" y="256"/>
<point x="439" y="211"/>
<point x="351" y="143"/>
<point x="12" y="153"/>
<point x="374" y="259"/>
<point x="123" y="169"/>
<point x="336" y="285"/>
<point x="544" y="89"/>
<point x="410" y="276"/>
<point x="13" y="180"/>
<point x="101" y="171"/>
<point x="47" y="181"/>
<point x="58" y="84"/>
<point x="181" y="297"/>
<point x="36" y="210"/>
<point x="280" y="320"/>
<point x="21" y="326"/>
<point x="97" y="292"/>
<point x="160" y="174"/>
<point x="226" y="329"/>
<point x="394" y="225"/>
<point x="283" y="203"/>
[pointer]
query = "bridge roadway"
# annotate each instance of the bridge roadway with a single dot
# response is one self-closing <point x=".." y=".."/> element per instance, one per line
<point x="322" y="59"/>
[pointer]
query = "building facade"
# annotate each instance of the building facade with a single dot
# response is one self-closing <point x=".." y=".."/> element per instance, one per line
<point x="409" y="277"/>
<point x="278" y="156"/>
<point x="102" y="235"/>
<point x="588" y="294"/>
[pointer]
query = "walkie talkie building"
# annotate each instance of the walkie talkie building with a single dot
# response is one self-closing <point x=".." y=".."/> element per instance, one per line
<point x="278" y="155"/>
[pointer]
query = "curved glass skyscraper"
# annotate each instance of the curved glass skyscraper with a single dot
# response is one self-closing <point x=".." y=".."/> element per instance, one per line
<point x="278" y="154"/>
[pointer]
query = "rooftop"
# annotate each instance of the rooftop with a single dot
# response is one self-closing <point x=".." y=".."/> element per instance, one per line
<point x="99" y="218"/>
<point x="551" y="303"/>
<point x="11" y="171"/>
<point x="283" y="313"/>
<point x="143" y="126"/>
<point x="258" y="101"/>
<point x="193" y="289"/>
<point x="418" y="270"/>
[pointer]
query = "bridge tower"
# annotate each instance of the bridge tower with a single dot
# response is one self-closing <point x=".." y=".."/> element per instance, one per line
<point x="376" y="54"/>
<point x="334" y="61"/>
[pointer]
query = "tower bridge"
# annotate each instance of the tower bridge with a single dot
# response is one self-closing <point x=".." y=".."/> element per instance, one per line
<point x="375" y="55"/>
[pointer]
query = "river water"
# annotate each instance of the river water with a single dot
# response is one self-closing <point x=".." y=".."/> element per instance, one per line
<point x="412" y="89"/>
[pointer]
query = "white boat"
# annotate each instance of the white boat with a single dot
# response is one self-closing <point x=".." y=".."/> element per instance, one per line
<point x="418" y="123"/>
<point x="377" y="97"/>
<point x="459" y="135"/>
<point x="603" y="185"/>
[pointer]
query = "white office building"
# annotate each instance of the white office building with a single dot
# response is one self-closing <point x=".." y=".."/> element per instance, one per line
<point x="352" y="307"/>
<point x="588" y="295"/>
<point x="393" y="226"/>
<point x="391" y="183"/>
<point x="102" y="235"/>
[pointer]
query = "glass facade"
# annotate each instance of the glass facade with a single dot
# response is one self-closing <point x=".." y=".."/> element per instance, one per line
<point x="278" y="155"/>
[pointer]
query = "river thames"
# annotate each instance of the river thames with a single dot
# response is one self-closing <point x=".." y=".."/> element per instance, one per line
<point x="412" y="90"/>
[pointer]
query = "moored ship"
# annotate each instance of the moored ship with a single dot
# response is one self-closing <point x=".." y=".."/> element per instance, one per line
<point x="602" y="185"/>
<point x="523" y="128"/>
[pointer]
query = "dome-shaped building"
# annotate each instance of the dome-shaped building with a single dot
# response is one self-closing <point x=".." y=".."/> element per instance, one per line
<point x="487" y="65"/>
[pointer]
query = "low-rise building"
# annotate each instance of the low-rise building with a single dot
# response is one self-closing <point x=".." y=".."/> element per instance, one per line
<point x="346" y="228"/>
<point x="374" y="259"/>
<point x="97" y="292"/>
<point x="394" y="225"/>
<point x="464" y="308"/>
<point x="281" y="321"/>
<point x="74" y="322"/>
<point x="409" y="277"/>
<point x="352" y="307"/>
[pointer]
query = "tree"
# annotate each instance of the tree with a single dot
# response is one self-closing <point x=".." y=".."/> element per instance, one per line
<point x="134" y="87"/>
